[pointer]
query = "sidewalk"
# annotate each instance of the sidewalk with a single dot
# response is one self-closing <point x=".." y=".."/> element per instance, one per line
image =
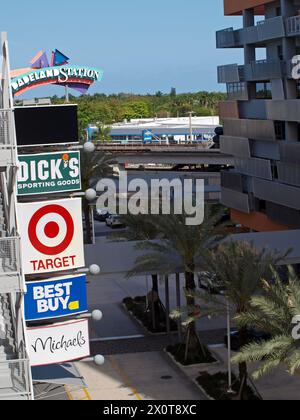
<point x="140" y="376"/>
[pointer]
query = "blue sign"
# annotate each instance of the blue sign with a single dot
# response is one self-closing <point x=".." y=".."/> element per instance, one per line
<point x="60" y="297"/>
<point x="147" y="136"/>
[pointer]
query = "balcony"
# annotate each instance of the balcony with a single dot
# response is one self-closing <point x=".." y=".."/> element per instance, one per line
<point x="250" y="129"/>
<point x="232" y="181"/>
<point x="237" y="91"/>
<point x="293" y="26"/>
<point x="16" y="374"/>
<point x="258" y="168"/>
<point x="265" y="30"/>
<point x="264" y="70"/>
<point x="289" y="152"/>
<point x="235" y="146"/>
<point x="283" y="110"/>
<point x="226" y="39"/>
<point x="289" y="174"/>
<point x="277" y="193"/>
<point x="10" y="265"/>
<point x="236" y="200"/>
<point x="7" y="141"/>
<point x="254" y="72"/>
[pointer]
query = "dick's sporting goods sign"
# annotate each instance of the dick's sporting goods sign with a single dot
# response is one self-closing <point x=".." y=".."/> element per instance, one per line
<point x="55" y="298"/>
<point x="51" y="236"/>
<point x="49" y="173"/>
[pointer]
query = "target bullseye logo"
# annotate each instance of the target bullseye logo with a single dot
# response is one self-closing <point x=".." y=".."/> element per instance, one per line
<point x="51" y="235"/>
<point x="51" y="230"/>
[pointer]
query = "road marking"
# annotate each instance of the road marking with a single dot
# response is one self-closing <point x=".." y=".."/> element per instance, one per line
<point x="78" y="394"/>
<point x="87" y="394"/>
<point x="129" y="337"/>
<point x="124" y="377"/>
<point x="216" y="346"/>
<point x="68" y="392"/>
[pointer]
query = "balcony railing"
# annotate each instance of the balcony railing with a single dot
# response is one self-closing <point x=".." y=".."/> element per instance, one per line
<point x="17" y="375"/>
<point x="9" y="256"/>
<point x="7" y="138"/>
<point x="265" y="30"/>
<point x="225" y="38"/>
<point x="255" y="71"/>
<point x="293" y="26"/>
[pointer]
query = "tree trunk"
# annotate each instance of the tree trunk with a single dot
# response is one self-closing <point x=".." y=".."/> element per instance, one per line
<point x="243" y="369"/>
<point x="193" y="343"/>
<point x="87" y="220"/>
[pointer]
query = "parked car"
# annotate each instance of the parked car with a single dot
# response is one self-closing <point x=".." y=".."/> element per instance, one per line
<point x="101" y="215"/>
<point x="114" y="221"/>
<point x="252" y="337"/>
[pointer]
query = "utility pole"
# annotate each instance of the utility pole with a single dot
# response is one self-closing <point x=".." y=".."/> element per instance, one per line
<point x="190" y="114"/>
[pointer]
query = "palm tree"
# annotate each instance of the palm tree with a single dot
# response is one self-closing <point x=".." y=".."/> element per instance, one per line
<point x="239" y="268"/>
<point x="181" y="248"/>
<point x="103" y="134"/>
<point x="144" y="228"/>
<point x="94" y="166"/>
<point x="275" y="312"/>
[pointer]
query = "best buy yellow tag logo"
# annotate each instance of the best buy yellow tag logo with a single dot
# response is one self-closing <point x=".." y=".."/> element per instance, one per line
<point x="73" y="306"/>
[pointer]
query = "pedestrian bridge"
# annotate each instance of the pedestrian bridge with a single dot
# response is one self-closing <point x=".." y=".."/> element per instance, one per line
<point x="187" y="154"/>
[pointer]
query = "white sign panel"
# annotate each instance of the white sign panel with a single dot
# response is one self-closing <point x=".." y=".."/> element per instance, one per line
<point x="58" y="343"/>
<point x="51" y="236"/>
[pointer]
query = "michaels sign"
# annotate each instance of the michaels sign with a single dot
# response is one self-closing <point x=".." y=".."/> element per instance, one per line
<point x="60" y="297"/>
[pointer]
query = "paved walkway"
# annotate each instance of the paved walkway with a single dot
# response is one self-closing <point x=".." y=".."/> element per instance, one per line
<point x="139" y="376"/>
<point x="148" y="343"/>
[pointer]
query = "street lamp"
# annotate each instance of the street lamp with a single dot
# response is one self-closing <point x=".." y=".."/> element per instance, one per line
<point x="97" y="315"/>
<point x="89" y="147"/>
<point x="90" y="194"/>
<point x="93" y="269"/>
<point x="99" y="360"/>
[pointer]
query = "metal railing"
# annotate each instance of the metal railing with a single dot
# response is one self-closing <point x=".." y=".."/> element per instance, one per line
<point x="17" y="378"/>
<point x="225" y="38"/>
<point x="9" y="256"/>
<point x="7" y="138"/>
<point x="6" y="128"/>
<point x="293" y="26"/>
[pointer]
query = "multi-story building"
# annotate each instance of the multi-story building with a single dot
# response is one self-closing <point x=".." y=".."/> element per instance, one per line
<point x="15" y="375"/>
<point x="262" y="115"/>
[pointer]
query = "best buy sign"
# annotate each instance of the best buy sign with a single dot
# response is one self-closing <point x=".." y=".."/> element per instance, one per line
<point x="49" y="173"/>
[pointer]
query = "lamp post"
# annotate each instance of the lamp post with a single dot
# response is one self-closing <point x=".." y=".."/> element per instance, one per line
<point x="230" y="391"/>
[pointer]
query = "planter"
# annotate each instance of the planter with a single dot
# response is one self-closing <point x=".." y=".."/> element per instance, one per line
<point x="215" y="386"/>
<point x="177" y="357"/>
<point x="137" y="308"/>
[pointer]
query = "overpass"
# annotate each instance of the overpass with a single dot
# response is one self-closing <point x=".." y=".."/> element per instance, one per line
<point x="188" y="154"/>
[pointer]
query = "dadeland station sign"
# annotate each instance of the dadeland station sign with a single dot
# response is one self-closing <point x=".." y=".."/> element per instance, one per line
<point x="58" y="71"/>
<point x="70" y="75"/>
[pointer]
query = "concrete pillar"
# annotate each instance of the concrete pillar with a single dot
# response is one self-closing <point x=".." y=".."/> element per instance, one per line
<point x="287" y="8"/>
<point x="249" y="50"/>
<point x="289" y="50"/>
<point x="291" y="131"/>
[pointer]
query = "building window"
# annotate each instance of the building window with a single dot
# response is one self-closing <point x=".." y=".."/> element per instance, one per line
<point x="263" y="90"/>
<point x="279" y="130"/>
<point x="298" y="89"/>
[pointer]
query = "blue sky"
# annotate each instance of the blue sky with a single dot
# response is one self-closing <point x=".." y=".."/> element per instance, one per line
<point x="142" y="45"/>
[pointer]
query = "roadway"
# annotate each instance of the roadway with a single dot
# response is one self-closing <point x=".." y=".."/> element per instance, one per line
<point x="191" y="154"/>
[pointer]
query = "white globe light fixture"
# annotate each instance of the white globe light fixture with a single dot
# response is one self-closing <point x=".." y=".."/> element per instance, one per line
<point x="90" y="194"/>
<point x="89" y="147"/>
<point x="95" y="270"/>
<point x="99" y="360"/>
<point x="97" y="315"/>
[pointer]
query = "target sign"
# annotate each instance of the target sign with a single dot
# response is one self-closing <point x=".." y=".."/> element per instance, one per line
<point x="51" y="236"/>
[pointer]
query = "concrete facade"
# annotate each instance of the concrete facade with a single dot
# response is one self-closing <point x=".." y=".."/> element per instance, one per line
<point x="262" y="114"/>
